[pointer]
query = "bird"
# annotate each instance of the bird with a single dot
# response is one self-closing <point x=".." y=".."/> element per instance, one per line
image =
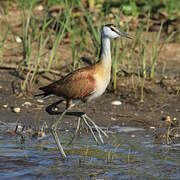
<point x="85" y="84"/>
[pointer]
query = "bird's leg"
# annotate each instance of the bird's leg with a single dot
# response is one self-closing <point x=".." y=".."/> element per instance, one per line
<point x="56" y="138"/>
<point x="54" y="133"/>
<point x="86" y="120"/>
<point x="78" y="125"/>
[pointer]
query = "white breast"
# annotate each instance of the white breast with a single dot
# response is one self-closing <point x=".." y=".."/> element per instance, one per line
<point x="101" y="85"/>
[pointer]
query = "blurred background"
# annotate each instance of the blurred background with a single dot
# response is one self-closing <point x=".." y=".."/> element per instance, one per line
<point x="43" y="40"/>
<point x="48" y="38"/>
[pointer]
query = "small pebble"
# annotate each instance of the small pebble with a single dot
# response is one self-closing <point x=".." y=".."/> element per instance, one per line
<point x="5" y="106"/>
<point x="17" y="109"/>
<point x="174" y="119"/>
<point x="40" y="7"/>
<point x="116" y="103"/>
<point x="113" y="119"/>
<point x="165" y="77"/>
<point x="123" y="84"/>
<point x="177" y="135"/>
<point x="0" y="87"/>
<point x="18" y="39"/>
<point x="133" y="135"/>
<point x="152" y="127"/>
<point x="168" y="119"/>
<point x="40" y="100"/>
<point x="27" y="104"/>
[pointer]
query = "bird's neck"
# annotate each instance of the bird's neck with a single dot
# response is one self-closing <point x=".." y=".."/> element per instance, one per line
<point x="105" y="53"/>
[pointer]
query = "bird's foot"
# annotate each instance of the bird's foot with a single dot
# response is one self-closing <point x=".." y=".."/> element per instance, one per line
<point x="92" y="125"/>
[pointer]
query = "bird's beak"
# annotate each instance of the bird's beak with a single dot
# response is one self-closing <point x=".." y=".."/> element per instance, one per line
<point x="124" y="34"/>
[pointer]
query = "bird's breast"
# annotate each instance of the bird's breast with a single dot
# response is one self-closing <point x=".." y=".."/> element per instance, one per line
<point x="102" y="79"/>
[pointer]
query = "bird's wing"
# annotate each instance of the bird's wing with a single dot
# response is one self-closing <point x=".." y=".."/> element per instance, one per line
<point x="76" y="85"/>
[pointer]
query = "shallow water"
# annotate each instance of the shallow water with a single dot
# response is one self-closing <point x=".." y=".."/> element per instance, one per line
<point x="129" y="153"/>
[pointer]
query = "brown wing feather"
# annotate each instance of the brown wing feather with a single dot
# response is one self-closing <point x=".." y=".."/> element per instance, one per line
<point x="76" y="85"/>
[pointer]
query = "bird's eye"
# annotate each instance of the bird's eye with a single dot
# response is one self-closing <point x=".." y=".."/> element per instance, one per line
<point x="112" y="29"/>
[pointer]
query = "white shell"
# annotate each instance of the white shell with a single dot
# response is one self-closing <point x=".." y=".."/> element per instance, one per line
<point x="17" y="109"/>
<point x="113" y="119"/>
<point x="40" y="100"/>
<point x="27" y="104"/>
<point x="40" y="8"/>
<point x="18" y="39"/>
<point x="116" y="103"/>
<point x="5" y="106"/>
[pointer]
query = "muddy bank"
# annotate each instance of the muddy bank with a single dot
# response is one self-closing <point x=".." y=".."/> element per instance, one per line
<point x="158" y="103"/>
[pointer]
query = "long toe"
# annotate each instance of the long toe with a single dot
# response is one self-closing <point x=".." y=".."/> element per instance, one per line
<point x="94" y="126"/>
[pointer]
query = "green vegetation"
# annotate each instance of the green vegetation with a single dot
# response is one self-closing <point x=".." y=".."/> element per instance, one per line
<point x="81" y="22"/>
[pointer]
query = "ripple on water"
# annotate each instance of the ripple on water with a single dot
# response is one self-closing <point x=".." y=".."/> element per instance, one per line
<point x="122" y="156"/>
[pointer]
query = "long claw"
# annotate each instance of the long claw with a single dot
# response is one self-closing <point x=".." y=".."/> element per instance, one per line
<point x="105" y="134"/>
<point x="98" y="129"/>
<point x="90" y="129"/>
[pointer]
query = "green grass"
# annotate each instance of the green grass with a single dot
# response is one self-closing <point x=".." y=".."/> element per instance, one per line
<point x="57" y="41"/>
<point x="83" y="28"/>
<point x="155" y="52"/>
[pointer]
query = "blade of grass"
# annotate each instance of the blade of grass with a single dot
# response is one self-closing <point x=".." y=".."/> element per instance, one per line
<point x="155" y="50"/>
<point x="58" y="39"/>
<point x="72" y="31"/>
<point x="26" y="24"/>
<point x="42" y="43"/>
<point x="90" y="24"/>
<point x="144" y="61"/>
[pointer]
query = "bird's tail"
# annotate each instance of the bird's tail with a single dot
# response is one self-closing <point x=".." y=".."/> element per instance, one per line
<point x="46" y="92"/>
<point x="41" y="94"/>
<point x="44" y="95"/>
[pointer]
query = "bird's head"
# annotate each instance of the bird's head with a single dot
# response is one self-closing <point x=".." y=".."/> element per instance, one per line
<point x="110" y="31"/>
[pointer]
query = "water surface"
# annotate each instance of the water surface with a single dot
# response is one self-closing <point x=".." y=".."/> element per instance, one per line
<point x="129" y="153"/>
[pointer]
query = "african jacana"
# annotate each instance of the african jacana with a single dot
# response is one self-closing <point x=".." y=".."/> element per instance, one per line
<point x="86" y="83"/>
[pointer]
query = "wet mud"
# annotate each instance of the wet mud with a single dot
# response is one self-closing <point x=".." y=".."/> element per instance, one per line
<point x="143" y="136"/>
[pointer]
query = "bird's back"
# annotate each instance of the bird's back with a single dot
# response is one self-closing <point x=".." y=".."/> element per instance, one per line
<point x="76" y="85"/>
